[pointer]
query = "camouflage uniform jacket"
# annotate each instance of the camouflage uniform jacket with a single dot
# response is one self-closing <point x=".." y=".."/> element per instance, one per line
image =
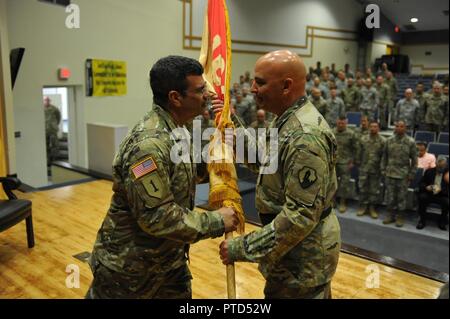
<point x="399" y="157"/>
<point x="150" y="221"/>
<point x="352" y="98"/>
<point x="393" y="88"/>
<point x="336" y="109"/>
<point x="347" y="146"/>
<point x="436" y="110"/>
<point x="369" y="101"/>
<point x="52" y="119"/>
<point x="297" y="241"/>
<point x="421" y="98"/>
<point x="371" y="152"/>
<point x="407" y="111"/>
<point x="383" y="94"/>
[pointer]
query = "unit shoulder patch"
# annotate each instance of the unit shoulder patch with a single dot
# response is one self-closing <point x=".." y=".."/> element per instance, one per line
<point x="307" y="177"/>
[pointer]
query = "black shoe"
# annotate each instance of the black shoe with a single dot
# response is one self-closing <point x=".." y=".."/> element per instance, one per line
<point x="442" y="226"/>
<point x="421" y="224"/>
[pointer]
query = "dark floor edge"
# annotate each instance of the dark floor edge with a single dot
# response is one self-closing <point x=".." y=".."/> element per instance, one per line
<point x="83" y="170"/>
<point x="396" y="263"/>
<point x="70" y="183"/>
<point x="389" y="261"/>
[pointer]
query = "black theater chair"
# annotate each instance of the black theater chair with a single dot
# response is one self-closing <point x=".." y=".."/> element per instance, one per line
<point x="13" y="210"/>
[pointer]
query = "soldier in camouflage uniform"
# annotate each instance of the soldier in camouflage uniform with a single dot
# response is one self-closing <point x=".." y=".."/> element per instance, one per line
<point x="319" y="102"/>
<point x="363" y="128"/>
<point x="347" y="157"/>
<point x="407" y="110"/>
<point x="336" y="108"/>
<point x="260" y="120"/>
<point x="398" y="165"/>
<point x="341" y="83"/>
<point x="391" y="82"/>
<point x="369" y="101"/>
<point x="142" y="246"/>
<point x="436" y="110"/>
<point x="321" y="87"/>
<point x="351" y="96"/>
<point x="383" y="99"/>
<point x="52" y="120"/>
<point x="298" y="247"/>
<point x="370" y="155"/>
<point x="421" y="96"/>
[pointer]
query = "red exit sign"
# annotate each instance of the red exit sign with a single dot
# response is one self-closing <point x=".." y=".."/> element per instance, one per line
<point x="64" y="73"/>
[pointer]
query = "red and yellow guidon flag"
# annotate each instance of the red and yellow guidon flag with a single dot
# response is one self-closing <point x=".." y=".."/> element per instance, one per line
<point x="215" y="56"/>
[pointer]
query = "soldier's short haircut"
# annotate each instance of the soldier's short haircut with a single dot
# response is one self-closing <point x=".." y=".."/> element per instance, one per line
<point x="374" y="122"/>
<point x="342" y="117"/>
<point x="169" y="74"/>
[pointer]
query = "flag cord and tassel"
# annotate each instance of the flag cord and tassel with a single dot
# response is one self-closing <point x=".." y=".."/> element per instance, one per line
<point x="224" y="190"/>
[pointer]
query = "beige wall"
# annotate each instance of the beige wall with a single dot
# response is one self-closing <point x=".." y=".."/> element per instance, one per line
<point x="437" y="62"/>
<point x="5" y="88"/>
<point x="138" y="32"/>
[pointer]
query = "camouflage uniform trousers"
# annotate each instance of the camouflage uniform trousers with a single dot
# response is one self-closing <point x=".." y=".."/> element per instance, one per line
<point x="108" y="284"/>
<point x="396" y="194"/>
<point x="345" y="187"/>
<point x="52" y="147"/>
<point x="276" y="289"/>
<point x="369" y="188"/>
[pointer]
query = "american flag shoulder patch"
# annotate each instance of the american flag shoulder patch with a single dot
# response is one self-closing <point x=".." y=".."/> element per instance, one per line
<point x="144" y="167"/>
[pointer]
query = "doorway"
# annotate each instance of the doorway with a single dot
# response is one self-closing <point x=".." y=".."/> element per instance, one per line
<point x="62" y="126"/>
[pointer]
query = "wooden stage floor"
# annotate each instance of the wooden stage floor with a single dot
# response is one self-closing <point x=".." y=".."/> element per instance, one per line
<point x="66" y="221"/>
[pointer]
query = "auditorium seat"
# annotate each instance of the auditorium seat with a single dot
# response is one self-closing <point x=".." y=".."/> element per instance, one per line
<point x="425" y="136"/>
<point x="438" y="149"/>
<point x="354" y="118"/>
<point x="443" y="138"/>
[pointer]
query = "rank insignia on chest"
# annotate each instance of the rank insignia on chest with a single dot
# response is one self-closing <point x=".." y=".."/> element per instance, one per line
<point x="144" y="167"/>
<point x="307" y="177"/>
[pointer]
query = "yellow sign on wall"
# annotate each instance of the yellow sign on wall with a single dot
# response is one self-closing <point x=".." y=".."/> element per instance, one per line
<point x="106" y="78"/>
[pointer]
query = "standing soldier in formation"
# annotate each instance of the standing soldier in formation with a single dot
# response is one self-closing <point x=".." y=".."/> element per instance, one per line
<point x="52" y="121"/>
<point x="407" y="110"/>
<point x="298" y="247"/>
<point x="371" y="153"/>
<point x="363" y="128"/>
<point x="351" y="96"/>
<point x="142" y="246"/>
<point x="421" y="96"/>
<point x="436" y="110"/>
<point x="347" y="152"/>
<point x="336" y="108"/>
<point x="260" y="120"/>
<point x="393" y="90"/>
<point x="369" y="102"/>
<point x="340" y="82"/>
<point x="383" y="100"/>
<point x="319" y="102"/>
<point x="398" y="165"/>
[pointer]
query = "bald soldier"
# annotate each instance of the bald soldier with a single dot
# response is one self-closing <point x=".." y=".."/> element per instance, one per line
<point x="142" y="246"/>
<point x="407" y="110"/>
<point x="298" y="247"/>
<point x="260" y="120"/>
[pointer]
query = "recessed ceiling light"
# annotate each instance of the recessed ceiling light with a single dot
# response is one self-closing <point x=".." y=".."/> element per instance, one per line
<point x="414" y="20"/>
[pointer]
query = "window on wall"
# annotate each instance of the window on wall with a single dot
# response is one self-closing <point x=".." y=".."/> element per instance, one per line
<point x="64" y="3"/>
